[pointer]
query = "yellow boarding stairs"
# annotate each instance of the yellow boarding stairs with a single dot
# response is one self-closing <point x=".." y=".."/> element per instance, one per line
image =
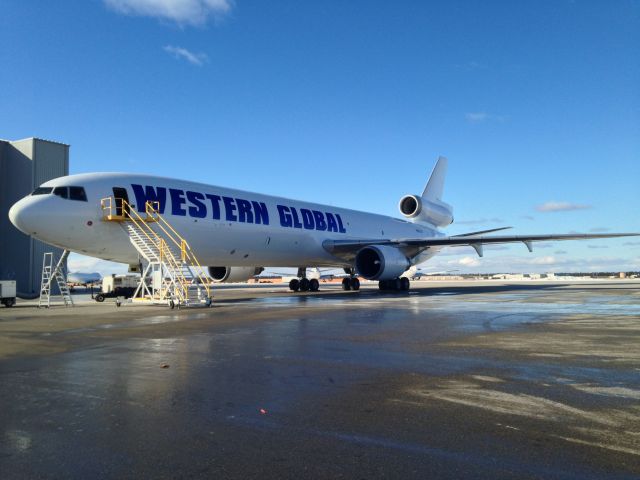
<point x="172" y="275"/>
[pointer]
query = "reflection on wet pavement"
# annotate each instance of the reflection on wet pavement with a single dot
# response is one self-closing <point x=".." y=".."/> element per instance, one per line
<point x="533" y="383"/>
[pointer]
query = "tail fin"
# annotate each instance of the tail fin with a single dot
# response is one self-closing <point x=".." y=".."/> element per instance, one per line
<point x="435" y="186"/>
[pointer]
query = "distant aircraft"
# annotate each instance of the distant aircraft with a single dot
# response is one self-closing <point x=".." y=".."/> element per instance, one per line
<point x="238" y="232"/>
<point x="79" y="278"/>
<point x="414" y="273"/>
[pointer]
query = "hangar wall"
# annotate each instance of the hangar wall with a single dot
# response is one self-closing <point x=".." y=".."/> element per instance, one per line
<point x="24" y="165"/>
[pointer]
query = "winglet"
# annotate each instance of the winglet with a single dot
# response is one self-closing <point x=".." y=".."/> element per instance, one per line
<point x="435" y="186"/>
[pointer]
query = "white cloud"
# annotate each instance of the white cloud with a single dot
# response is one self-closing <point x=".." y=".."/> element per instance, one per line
<point x="548" y="260"/>
<point x="183" y="12"/>
<point x="527" y="263"/>
<point x="468" y="262"/>
<point x="472" y="65"/>
<point x="561" y="207"/>
<point x="477" y="117"/>
<point x="480" y="221"/>
<point x="182" y="53"/>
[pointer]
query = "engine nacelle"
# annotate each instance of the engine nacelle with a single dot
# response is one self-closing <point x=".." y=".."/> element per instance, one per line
<point x="233" y="274"/>
<point x="435" y="212"/>
<point x="381" y="262"/>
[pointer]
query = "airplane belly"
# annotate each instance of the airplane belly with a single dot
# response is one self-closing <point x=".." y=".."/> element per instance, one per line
<point x="225" y="244"/>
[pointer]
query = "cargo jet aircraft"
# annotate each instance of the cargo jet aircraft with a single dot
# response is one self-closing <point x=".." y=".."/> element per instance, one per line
<point x="238" y="232"/>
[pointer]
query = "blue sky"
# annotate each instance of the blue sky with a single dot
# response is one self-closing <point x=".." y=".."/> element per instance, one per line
<point x="534" y="103"/>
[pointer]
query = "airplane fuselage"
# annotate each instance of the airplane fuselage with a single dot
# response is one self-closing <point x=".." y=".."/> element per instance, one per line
<point x="223" y="226"/>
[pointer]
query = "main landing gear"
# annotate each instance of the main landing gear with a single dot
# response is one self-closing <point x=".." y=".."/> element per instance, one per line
<point x="351" y="282"/>
<point x="400" y="284"/>
<point x="304" y="284"/>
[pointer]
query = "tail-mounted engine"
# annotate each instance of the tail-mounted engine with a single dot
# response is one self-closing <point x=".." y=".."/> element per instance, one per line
<point x="435" y="212"/>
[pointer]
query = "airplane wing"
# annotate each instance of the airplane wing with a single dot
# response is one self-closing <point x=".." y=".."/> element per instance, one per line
<point x="471" y="234"/>
<point x="412" y="246"/>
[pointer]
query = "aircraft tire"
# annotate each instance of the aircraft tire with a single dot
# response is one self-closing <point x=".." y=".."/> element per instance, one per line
<point x="354" y="282"/>
<point x="294" y="285"/>
<point x="314" y="285"/>
<point x="405" y="284"/>
<point x="346" y="284"/>
<point x="304" y="285"/>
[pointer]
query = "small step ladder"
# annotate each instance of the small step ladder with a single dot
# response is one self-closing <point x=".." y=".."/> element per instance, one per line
<point x="51" y="273"/>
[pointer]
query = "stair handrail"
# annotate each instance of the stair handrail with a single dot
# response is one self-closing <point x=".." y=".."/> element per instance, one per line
<point x="167" y="255"/>
<point x="107" y="204"/>
<point x="129" y="213"/>
<point x="152" y="209"/>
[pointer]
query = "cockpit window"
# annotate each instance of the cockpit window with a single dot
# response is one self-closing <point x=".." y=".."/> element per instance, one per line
<point x="61" y="192"/>
<point x="72" y="193"/>
<point x="77" y="193"/>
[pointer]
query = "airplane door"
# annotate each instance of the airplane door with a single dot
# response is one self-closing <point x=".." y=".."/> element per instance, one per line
<point x="120" y="194"/>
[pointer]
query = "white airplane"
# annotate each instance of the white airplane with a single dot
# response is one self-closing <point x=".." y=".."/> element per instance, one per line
<point x="81" y="278"/>
<point x="237" y="232"/>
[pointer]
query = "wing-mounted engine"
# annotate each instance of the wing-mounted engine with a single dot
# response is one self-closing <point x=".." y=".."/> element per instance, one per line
<point x="381" y="262"/>
<point x="233" y="274"/>
<point x="435" y="212"/>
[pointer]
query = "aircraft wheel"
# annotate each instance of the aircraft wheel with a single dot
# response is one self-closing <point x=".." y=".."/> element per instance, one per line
<point x="100" y="298"/>
<point x="354" y="283"/>
<point x="304" y="284"/>
<point x="405" y="284"/>
<point x="396" y="284"/>
<point x="382" y="285"/>
<point x="346" y="284"/>
<point x="294" y="285"/>
<point x="314" y="285"/>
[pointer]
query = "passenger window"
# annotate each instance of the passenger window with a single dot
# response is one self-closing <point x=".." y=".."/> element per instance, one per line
<point x="42" y="191"/>
<point x="77" y="193"/>
<point x="61" y="192"/>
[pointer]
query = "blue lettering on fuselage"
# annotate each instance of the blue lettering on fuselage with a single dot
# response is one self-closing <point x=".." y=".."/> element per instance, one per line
<point x="149" y="194"/>
<point x="206" y="205"/>
<point x="311" y="219"/>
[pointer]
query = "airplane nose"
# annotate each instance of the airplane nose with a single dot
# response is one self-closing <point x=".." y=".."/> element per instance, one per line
<point x="16" y="216"/>
<point x="23" y="215"/>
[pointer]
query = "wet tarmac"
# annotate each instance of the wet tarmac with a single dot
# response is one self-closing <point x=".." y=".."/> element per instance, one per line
<point x="453" y="380"/>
